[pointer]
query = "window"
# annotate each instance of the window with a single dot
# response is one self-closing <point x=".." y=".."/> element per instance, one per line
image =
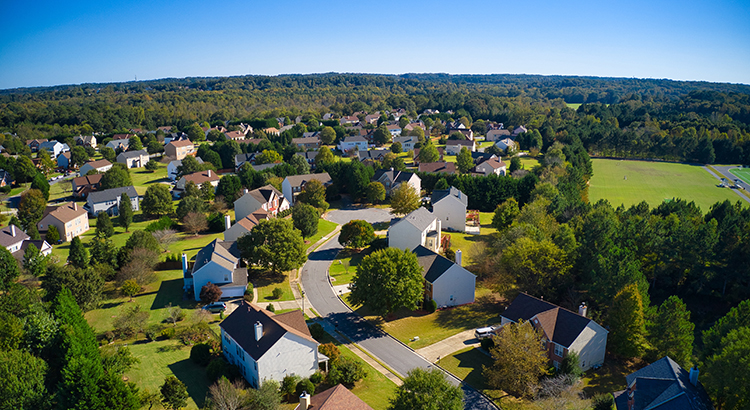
<point x="556" y="364"/>
<point x="558" y="350"/>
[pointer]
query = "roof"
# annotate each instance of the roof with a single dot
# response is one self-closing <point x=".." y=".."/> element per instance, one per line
<point x="264" y="194"/>
<point x="433" y="265"/>
<point x="92" y="179"/>
<point x="420" y="218"/>
<point x="240" y="326"/>
<point x="251" y="221"/>
<point x="176" y="163"/>
<point x="439" y="194"/>
<point x="468" y="143"/>
<point x="239" y="159"/>
<point x="372" y="154"/>
<point x="133" y="154"/>
<point x="215" y="252"/>
<point x="112" y="194"/>
<point x="393" y="175"/>
<point x="498" y="132"/>
<point x="7" y="238"/>
<point x="560" y="325"/>
<point x="181" y="143"/>
<point x="664" y="385"/>
<point x="337" y="398"/>
<point x="299" y="180"/>
<point x="480" y="157"/>
<point x="494" y="163"/>
<point x="356" y="138"/>
<point x="308" y="140"/>
<point x="201" y="177"/>
<point x="447" y="167"/>
<point x="40" y="244"/>
<point x="65" y="212"/>
<point x="99" y="163"/>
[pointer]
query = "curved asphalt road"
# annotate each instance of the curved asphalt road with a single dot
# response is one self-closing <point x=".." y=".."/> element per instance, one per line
<point x="388" y="350"/>
<point x="724" y="173"/>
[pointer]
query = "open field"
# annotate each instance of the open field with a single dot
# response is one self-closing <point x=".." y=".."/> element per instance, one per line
<point x="630" y="182"/>
<point x="742" y="173"/>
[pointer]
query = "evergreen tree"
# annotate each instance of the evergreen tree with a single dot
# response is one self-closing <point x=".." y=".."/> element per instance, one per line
<point x="104" y="226"/>
<point x="305" y="218"/>
<point x="157" y="201"/>
<point x="191" y="189"/>
<point x="464" y="161"/>
<point x="53" y="235"/>
<point x="34" y="261"/>
<point x="125" y="212"/>
<point x="174" y="393"/>
<point x="9" y="270"/>
<point x="672" y="332"/>
<point x="79" y="256"/>
<point x="628" y="328"/>
<point x="33" y="232"/>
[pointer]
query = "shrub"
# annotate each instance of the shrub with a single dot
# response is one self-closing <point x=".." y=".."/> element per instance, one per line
<point x="167" y="333"/>
<point x="164" y="222"/>
<point x="152" y="332"/>
<point x="197" y="333"/>
<point x="284" y="213"/>
<point x="487" y="343"/>
<point x="270" y="308"/>
<point x="317" y="331"/>
<point x="430" y="305"/>
<point x="201" y="354"/>
<point x="603" y="402"/>
<point x="330" y="350"/>
<point x="277" y="293"/>
<point x="216" y="369"/>
<point x="249" y="289"/>
<point x="316" y="378"/>
<point x="109" y="336"/>
<point x="305" y="385"/>
<point x="346" y="371"/>
<point x="248" y="298"/>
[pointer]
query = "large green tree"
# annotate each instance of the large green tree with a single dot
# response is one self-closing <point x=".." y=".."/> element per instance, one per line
<point x="23" y="376"/>
<point x="404" y="200"/>
<point x="505" y="213"/>
<point x="324" y="156"/>
<point x="115" y="177"/>
<point x="78" y="256"/>
<point x="9" y="270"/>
<point x="125" y="212"/>
<point x="327" y="135"/>
<point x="428" y="153"/>
<point x="375" y="192"/>
<point x="174" y="393"/>
<point x="671" y="331"/>
<point x="539" y="266"/>
<point x="464" y="161"/>
<point x="31" y="207"/>
<point x="314" y="193"/>
<point x="427" y="390"/>
<point x="628" y="327"/>
<point x="84" y="284"/>
<point x="229" y="187"/>
<point x="519" y="359"/>
<point x="274" y="244"/>
<point x="157" y="201"/>
<point x="104" y="226"/>
<point x="381" y="135"/>
<point x="305" y="218"/>
<point x="356" y="234"/>
<point x="387" y="280"/>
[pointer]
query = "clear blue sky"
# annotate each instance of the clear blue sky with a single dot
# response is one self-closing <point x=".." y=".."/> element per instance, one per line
<point x="70" y="42"/>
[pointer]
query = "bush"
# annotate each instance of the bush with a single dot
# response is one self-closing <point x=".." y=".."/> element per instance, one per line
<point x="487" y="343"/>
<point x="277" y="293"/>
<point x="197" y="333"/>
<point x="603" y="402"/>
<point x="430" y="305"/>
<point x="249" y="289"/>
<point x="109" y="336"/>
<point x="270" y="308"/>
<point x="167" y="333"/>
<point x="316" y="378"/>
<point x="164" y="222"/>
<point x="284" y="213"/>
<point x="201" y="354"/>
<point x="305" y="385"/>
<point x="330" y="350"/>
<point x="152" y="332"/>
<point x="317" y="331"/>
<point x="216" y="369"/>
<point x="248" y="298"/>
<point x="346" y="371"/>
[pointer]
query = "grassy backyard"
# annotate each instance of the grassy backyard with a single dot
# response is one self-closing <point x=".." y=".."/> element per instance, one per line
<point x="324" y="228"/>
<point x="265" y="282"/>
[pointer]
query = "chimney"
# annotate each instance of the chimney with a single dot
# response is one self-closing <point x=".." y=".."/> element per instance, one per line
<point x="227" y="221"/>
<point x="75" y="206"/>
<point x="209" y="173"/>
<point x="258" y="331"/>
<point x="583" y="309"/>
<point x="304" y="401"/>
<point x="184" y="263"/>
<point x="12" y="230"/>
<point x="244" y="190"/>
<point x="458" y="257"/>
<point x="694" y="372"/>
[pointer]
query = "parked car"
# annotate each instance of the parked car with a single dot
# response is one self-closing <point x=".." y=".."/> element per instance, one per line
<point x="484" y="332"/>
<point x="216" y="307"/>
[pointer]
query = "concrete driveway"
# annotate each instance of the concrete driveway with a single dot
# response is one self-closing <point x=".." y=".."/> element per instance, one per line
<point x="371" y="215"/>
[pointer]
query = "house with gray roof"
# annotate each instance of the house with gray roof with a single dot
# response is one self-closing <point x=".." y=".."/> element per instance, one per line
<point x="446" y="282"/>
<point x="121" y="144"/>
<point x="133" y="159"/>
<point x="563" y="331"/>
<point x="392" y="179"/>
<point x="356" y="142"/>
<point x="217" y="263"/>
<point x="293" y="184"/>
<point x="16" y="241"/>
<point x="54" y="148"/>
<point x="173" y="165"/>
<point x="109" y="200"/>
<point x="449" y="206"/>
<point x="663" y="385"/>
<point x="420" y="227"/>
<point x="373" y="155"/>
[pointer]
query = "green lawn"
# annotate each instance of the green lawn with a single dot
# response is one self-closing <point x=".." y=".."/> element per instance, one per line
<point x="630" y="182"/>
<point x="741" y="173"/>
<point x="527" y="162"/>
<point x="573" y="106"/>
<point x="345" y="265"/>
<point x="265" y="282"/>
<point x="142" y="178"/>
<point x="324" y="228"/>
<point x="467" y="365"/>
<point x="465" y="241"/>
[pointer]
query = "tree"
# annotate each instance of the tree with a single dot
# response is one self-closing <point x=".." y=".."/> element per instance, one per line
<point x="104" y="228"/>
<point x="289" y="384"/>
<point x="515" y="164"/>
<point x="300" y="164"/>
<point x="519" y="359"/>
<point x="45" y="162"/>
<point x="305" y="218"/>
<point x="387" y="280"/>
<point x="125" y="212"/>
<point x="314" y="193"/>
<point x="571" y="365"/>
<point x="115" y="177"/>
<point x="229" y="187"/>
<point x="130" y="288"/>
<point x="356" y="234"/>
<point x="327" y="135"/>
<point x="190" y="204"/>
<point x="79" y="256"/>
<point x="109" y="154"/>
<point x="207" y="191"/>
<point x="464" y="161"/>
<point x="165" y="237"/>
<point x="9" y="270"/>
<point x="268" y="157"/>
<point x="151" y="166"/>
<point x="103" y="250"/>
<point x="628" y="328"/>
<point x="396" y="147"/>
<point x="134" y="143"/>
<point x="23" y="376"/>
<point x="727" y="371"/>
<point x="85" y="284"/>
<point x="428" y="390"/>
<point x="33" y="232"/>
<point x="142" y="239"/>
<point x="346" y="371"/>
<point x="53" y="235"/>
<point x="391" y="160"/>
<point x="210" y="293"/>
<point x="189" y="165"/>
<point x="226" y="395"/>
<point x="324" y="156"/>
<point x="31" y="207"/>
<point x="157" y="201"/>
<point x="274" y="244"/>
<point x="505" y="213"/>
<point x="404" y="200"/>
<point x="78" y="156"/>
<point x="191" y="190"/>
<point x="457" y="136"/>
<point x="539" y="266"/>
<point x="375" y="192"/>
<point x="34" y="261"/>
<point x="40" y="182"/>
<point x="174" y="393"/>
<point x="266" y="397"/>
<point x="195" y="222"/>
<point x="381" y="135"/>
<point x="428" y="153"/>
<point x="672" y="331"/>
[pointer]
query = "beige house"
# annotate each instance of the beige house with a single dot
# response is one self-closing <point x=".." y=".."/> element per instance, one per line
<point x="492" y="166"/>
<point x="244" y="225"/>
<point x="70" y="220"/>
<point x="266" y="198"/>
<point x="199" y="178"/>
<point x="293" y="184"/>
<point x="179" y="149"/>
<point x="101" y="166"/>
<point x="133" y="159"/>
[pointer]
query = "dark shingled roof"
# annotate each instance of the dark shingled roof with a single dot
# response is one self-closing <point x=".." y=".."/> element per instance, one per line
<point x="439" y="194"/>
<point x="395" y="176"/>
<point x="112" y="194"/>
<point x="433" y="265"/>
<point x="560" y="325"/>
<point x="7" y="238"/>
<point x="240" y="325"/>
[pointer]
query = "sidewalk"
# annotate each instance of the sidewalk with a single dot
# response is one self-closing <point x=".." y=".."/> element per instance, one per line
<point x="445" y="347"/>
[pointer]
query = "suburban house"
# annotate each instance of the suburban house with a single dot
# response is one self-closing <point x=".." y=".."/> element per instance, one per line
<point x="437" y="167"/>
<point x="292" y="185"/>
<point x="506" y="143"/>
<point x="407" y="143"/>
<point x="133" y="159"/>
<point x="6" y="178"/>
<point x="663" y="385"/>
<point x="35" y="143"/>
<point x="519" y="130"/>
<point x="372" y="118"/>
<point x="118" y="144"/>
<point x="266" y="198"/>
<point x="101" y="165"/>
<point x="123" y="136"/>
<point x="175" y="136"/>
<point x="469" y="134"/>
<point x="392" y="179"/>
<point x="109" y="200"/>
<point x="374" y="154"/>
<point x="16" y="241"/>
<point x="489" y="167"/>
<point x="44" y="247"/>
<point x="86" y="141"/>
<point x="453" y="147"/>
<point x="179" y="149"/>
<point x="357" y="143"/>
<point x="244" y="225"/>
<point x="173" y="165"/>
<point x="266" y="346"/>
<point x="198" y="178"/>
<point x="337" y="397"/>
<point x="447" y="204"/>
<point x="563" y="330"/>
<point x="235" y="135"/>
<point x="496" y="135"/>
<point x="394" y="129"/>
<point x="63" y="160"/>
<point x="414" y="125"/>
<point x="69" y="219"/>
<point x="446" y="282"/>
<point x="307" y="143"/>
<point x="54" y="148"/>
<point x="86" y="184"/>
<point x="218" y="263"/>
<point x="420" y="227"/>
<point x="479" y="157"/>
<point x="350" y="119"/>
<point x="241" y="159"/>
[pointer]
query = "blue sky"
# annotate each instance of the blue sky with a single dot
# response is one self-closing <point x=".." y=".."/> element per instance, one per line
<point x="49" y="43"/>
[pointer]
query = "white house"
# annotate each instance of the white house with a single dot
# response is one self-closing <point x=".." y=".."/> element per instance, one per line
<point x="218" y="263"/>
<point x="394" y="129"/>
<point x="109" y="200"/>
<point x="12" y="237"/>
<point x="266" y="198"/>
<point x="292" y="185"/>
<point x="392" y="179"/>
<point x="506" y="143"/>
<point x="563" y="330"/>
<point x="133" y="159"/>
<point x="54" y="148"/>
<point x="86" y="141"/>
<point x="407" y="143"/>
<point x="244" y="225"/>
<point x="357" y="142"/>
<point x="492" y="166"/>
<point x="265" y="346"/>
<point x="453" y="147"/>
<point x="449" y="206"/>
<point x="172" y="167"/>
<point x="420" y="227"/>
<point x="446" y="282"/>
<point x="122" y="144"/>
<point x="100" y="166"/>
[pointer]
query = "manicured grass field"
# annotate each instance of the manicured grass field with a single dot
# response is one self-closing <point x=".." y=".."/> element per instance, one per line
<point x="630" y="182"/>
<point x="467" y="365"/>
<point x="345" y="265"/>
<point x="265" y="282"/>
<point x="742" y="173"/>
<point x="324" y="228"/>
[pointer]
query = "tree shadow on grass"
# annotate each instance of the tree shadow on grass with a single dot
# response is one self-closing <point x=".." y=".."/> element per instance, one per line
<point x="474" y="360"/>
<point x="170" y="292"/>
<point x="194" y="377"/>
<point x="484" y="311"/>
<point x="110" y="305"/>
